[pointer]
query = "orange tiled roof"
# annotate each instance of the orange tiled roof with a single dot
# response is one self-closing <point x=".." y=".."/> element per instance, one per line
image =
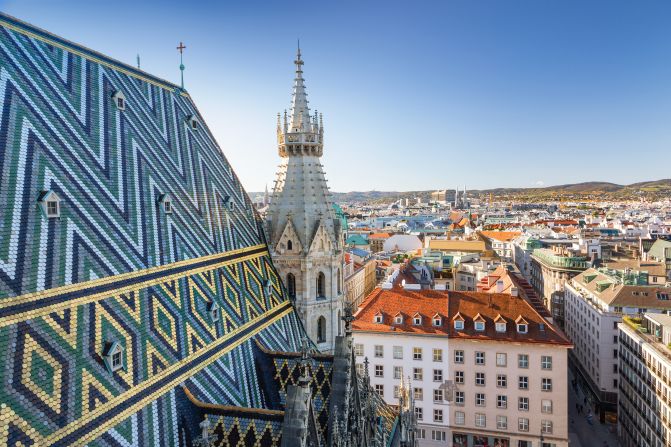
<point x="379" y="236"/>
<point x="503" y="236"/>
<point x="389" y="302"/>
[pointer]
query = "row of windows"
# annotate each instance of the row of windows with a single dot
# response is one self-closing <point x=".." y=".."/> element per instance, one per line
<point x="480" y="420"/>
<point x="459" y="356"/>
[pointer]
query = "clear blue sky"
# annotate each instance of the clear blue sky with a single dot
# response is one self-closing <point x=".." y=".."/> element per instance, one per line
<point x="415" y="94"/>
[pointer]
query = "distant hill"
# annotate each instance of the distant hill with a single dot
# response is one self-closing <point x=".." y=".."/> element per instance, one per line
<point x="650" y="190"/>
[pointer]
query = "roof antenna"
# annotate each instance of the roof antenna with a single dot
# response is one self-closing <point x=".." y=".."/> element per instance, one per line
<point x="181" y="49"/>
<point x="138" y="61"/>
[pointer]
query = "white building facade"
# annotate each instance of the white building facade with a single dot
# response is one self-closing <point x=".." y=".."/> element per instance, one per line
<point x="467" y="391"/>
<point x="305" y="235"/>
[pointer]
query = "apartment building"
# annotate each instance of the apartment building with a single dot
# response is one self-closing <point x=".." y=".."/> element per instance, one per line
<point x="485" y="368"/>
<point x="501" y="242"/>
<point x="595" y="303"/>
<point x="644" y="404"/>
<point x="551" y="268"/>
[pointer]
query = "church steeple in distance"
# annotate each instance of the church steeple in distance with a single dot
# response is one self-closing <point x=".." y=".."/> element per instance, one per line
<point x="305" y="235"/>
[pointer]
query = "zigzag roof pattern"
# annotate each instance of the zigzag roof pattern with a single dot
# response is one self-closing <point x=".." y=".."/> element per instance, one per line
<point x="117" y="266"/>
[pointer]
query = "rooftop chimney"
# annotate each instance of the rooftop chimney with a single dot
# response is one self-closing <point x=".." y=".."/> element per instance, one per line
<point x="514" y="291"/>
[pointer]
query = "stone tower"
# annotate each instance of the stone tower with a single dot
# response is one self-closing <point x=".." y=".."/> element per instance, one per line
<point x="305" y="235"/>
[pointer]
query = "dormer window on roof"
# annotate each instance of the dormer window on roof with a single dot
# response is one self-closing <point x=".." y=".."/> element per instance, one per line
<point x="193" y="122"/>
<point x="228" y="203"/>
<point x="213" y="310"/>
<point x="458" y="322"/>
<point x="268" y="287"/>
<point x="378" y="318"/>
<point x="113" y="357"/>
<point x="50" y="204"/>
<point x="437" y="320"/>
<point x="166" y="203"/>
<point x="119" y="100"/>
<point x="417" y="319"/>
<point x="398" y="318"/>
<point x="479" y="323"/>
<point x="500" y="323"/>
<point x="522" y="325"/>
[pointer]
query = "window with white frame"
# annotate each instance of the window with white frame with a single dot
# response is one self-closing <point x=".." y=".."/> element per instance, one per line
<point x="397" y="391"/>
<point x="459" y="418"/>
<point x="358" y="349"/>
<point x="398" y="319"/>
<point x="479" y="358"/>
<point x="459" y="397"/>
<point x="523" y="424"/>
<point x="480" y="420"/>
<point x="502" y="422"/>
<point x="437" y="415"/>
<point x="523" y="382"/>
<point x="501" y="359"/>
<point x="417" y="374"/>
<point x="500" y="327"/>
<point x="119" y="100"/>
<point x="438" y="395"/>
<point x="546" y="427"/>
<point x="546" y="384"/>
<point x="398" y="372"/>
<point x="417" y="320"/>
<point x="523" y="404"/>
<point x="419" y="413"/>
<point x="546" y="406"/>
<point x="546" y="362"/>
<point x="458" y="356"/>
<point x="359" y="369"/>
<point x="459" y="377"/>
<point x="501" y="401"/>
<point x="522" y="328"/>
<point x="421" y="433"/>
<point x="379" y="351"/>
<point x="479" y="326"/>
<point x="437" y="321"/>
<point x="437" y="355"/>
<point x="379" y="389"/>
<point x="398" y="352"/>
<point x="459" y="325"/>
<point x="437" y="375"/>
<point x="417" y="353"/>
<point x="418" y="393"/>
<point x="480" y="399"/>
<point x="378" y="318"/>
<point x="438" y="435"/>
<point x="523" y="361"/>
<point x="480" y="379"/>
<point x="379" y="370"/>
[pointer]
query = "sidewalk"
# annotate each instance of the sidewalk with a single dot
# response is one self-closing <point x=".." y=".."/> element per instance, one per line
<point x="596" y="435"/>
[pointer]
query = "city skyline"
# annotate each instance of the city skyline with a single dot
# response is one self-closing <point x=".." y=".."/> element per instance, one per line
<point x="570" y="88"/>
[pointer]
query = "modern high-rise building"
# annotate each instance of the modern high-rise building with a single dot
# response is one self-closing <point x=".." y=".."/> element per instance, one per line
<point x="305" y="235"/>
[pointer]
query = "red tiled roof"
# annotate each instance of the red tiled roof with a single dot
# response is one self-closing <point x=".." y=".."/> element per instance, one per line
<point x="447" y="305"/>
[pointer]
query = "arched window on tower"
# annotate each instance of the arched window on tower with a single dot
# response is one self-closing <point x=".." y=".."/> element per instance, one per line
<point x="321" y="285"/>
<point x="290" y="245"/>
<point x="339" y="281"/>
<point x="321" y="329"/>
<point x="291" y="285"/>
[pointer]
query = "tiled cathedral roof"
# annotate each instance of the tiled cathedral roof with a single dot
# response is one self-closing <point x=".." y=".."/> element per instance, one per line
<point x="181" y="290"/>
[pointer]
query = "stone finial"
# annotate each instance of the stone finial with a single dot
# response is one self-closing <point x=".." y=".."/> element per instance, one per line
<point x="348" y="317"/>
<point x="306" y="360"/>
